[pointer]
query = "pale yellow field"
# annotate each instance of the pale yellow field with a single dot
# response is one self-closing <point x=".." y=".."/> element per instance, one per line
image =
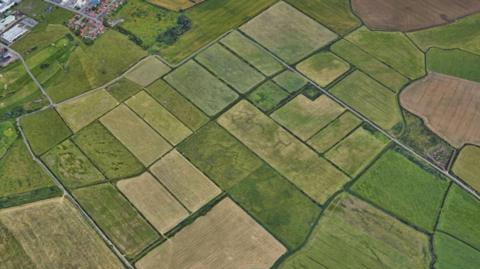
<point x="226" y="237"/>
<point x="175" y="4"/>
<point x="184" y="180"/>
<point x="153" y="201"/>
<point x="54" y="235"/>
<point x="80" y="112"/>
<point x="146" y="144"/>
<point x="147" y="71"/>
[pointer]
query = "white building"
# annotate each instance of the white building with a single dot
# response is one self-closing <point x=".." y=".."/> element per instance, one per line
<point x="6" y="5"/>
<point x="6" y="22"/>
<point x="14" y="33"/>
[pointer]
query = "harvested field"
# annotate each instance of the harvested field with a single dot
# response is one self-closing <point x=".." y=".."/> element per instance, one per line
<point x="410" y="15"/>
<point x="226" y="237"/>
<point x="123" y="89"/>
<point x="334" y="132"/>
<point x="174" y="102"/>
<point x="201" y="87"/>
<point x="305" y="117"/>
<point x="267" y="96"/>
<point x="466" y="166"/>
<point x="176" y="5"/>
<point x="37" y="227"/>
<point x="12" y="254"/>
<point x="146" y="144"/>
<point x="192" y="188"/>
<point x="452" y="253"/>
<point x="287" y="32"/>
<point x="373" y="239"/>
<point x="323" y="68"/>
<point x="290" y="81"/>
<point x="153" y="201"/>
<point x="298" y="163"/>
<point x="231" y="69"/>
<point x="173" y="130"/>
<point x="147" y="71"/>
<point x="448" y="105"/>
<point x="252" y="53"/>
<point x="82" y="111"/>
<point x="71" y="166"/>
<point x="116" y="217"/>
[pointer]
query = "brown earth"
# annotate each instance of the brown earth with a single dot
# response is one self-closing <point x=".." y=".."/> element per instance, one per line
<point x="449" y="106"/>
<point x="409" y="15"/>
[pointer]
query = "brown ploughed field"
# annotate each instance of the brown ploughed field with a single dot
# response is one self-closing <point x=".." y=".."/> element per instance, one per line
<point x="409" y="15"/>
<point x="449" y="106"/>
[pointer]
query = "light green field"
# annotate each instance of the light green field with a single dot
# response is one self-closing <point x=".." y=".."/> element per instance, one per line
<point x="370" y="98"/>
<point x="394" y="49"/>
<point x="466" y="166"/>
<point x="288" y="155"/>
<point x="116" y="217"/>
<point x="231" y="69"/>
<point x="252" y="53"/>
<point x="305" y="117"/>
<point x="71" y="166"/>
<point x="334" y="132"/>
<point x="123" y="89"/>
<point x="454" y="62"/>
<point x="136" y="135"/>
<point x="180" y="107"/>
<point x="404" y="188"/>
<point x="335" y="14"/>
<point x="8" y="135"/>
<point x="357" y="150"/>
<point x="12" y="255"/>
<point x="201" y="87"/>
<point x="267" y="96"/>
<point x="290" y="81"/>
<point x="323" y="68"/>
<point x="287" y="32"/>
<point x="460" y="216"/>
<point x="106" y="152"/>
<point x="44" y="130"/>
<point x="369" y="65"/>
<point x="82" y="111"/>
<point x="177" y="5"/>
<point x="452" y="253"/>
<point x="173" y="130"/>
<point x="147" y="71"/>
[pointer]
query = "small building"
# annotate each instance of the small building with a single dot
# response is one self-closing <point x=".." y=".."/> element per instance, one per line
<point x="6" y="22"/>
<point x="14" y="33"/>
<point x="6" y="5"/>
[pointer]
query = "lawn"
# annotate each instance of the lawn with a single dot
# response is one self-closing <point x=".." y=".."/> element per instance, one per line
<point x="394" y="49"/>
<point x="372" y="238"/>
<point x="202" y="88"/>
<point x="147" y="71"/>
<point x="252" y="53"/>
<point x="287" y="32"/>
<point x="369" y="65"/>
<point x="44" y="130"/>
<point x="8" y="135"/>
<point x="123" y="89"/>
<point x="370" y="98"/>
<point x="106" y="152"/>
<point x="267" y="96"/>
<point x="229" y="68"/>
<point x="323" y="68"/>
<point x="71" y="166"/>
<point x="404" y="188"/>
<point x="454" y="62"/>
<point x="174" y="102"/>
<point x="466" y="166"/>
<point x="452" y="253"/>
<point x="290" y="81"/>
<point x="117" y="218"/>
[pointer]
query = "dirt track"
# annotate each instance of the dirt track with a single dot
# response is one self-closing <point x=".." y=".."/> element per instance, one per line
<point x="409" y="15"/>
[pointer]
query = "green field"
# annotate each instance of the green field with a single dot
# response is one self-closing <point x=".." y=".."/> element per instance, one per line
<point x="201" y="87"/>
<point x="44" y="130"/>
<point x="123" y="89"/>
<point x="370" y="98"/>
<point x="466" y="166"/>
<point x="323" y="68"/>
<point x="252" y="53"/>
<point x="71" y="166"/>
<point x="334" y="132"/>
<point x="8" y="135"/>
<point x="404" y="188"/>
<point x="117" y="218"/>
<point x="452" y="253"/>
<point x="460" y="216"/>
<point x="180" y="107"/>
<point x="267" y="96"/>
<point x="287" y="32"/>
<point x="357" y="151"/>
<point x="369" y="65"/>
<point x="231" y="69"/>
<point x="394" y="49"/>
<point x="335" y="14"/>
<point x="454" y="62"/>
<point x="106" y="152"/>
<point x="13" y="255"/>
<point x="290" y="81"/>
<point x="352" y="233"/>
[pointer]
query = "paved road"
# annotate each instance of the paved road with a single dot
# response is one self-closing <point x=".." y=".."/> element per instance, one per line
<point x="74" y="11"/>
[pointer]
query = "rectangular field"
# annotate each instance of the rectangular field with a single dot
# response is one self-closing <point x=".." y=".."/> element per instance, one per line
<point x="147" y="71"/>
<point x="298" y="163"/>
<point x="452" y="253"/>
<point x="290" y="81"/>
<point x="226" y="237"/>
<point x="267" y="96"/>
<point x="466" y="166"/>
<point x="123" y="89"/>
<point x="323" y="68"/>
